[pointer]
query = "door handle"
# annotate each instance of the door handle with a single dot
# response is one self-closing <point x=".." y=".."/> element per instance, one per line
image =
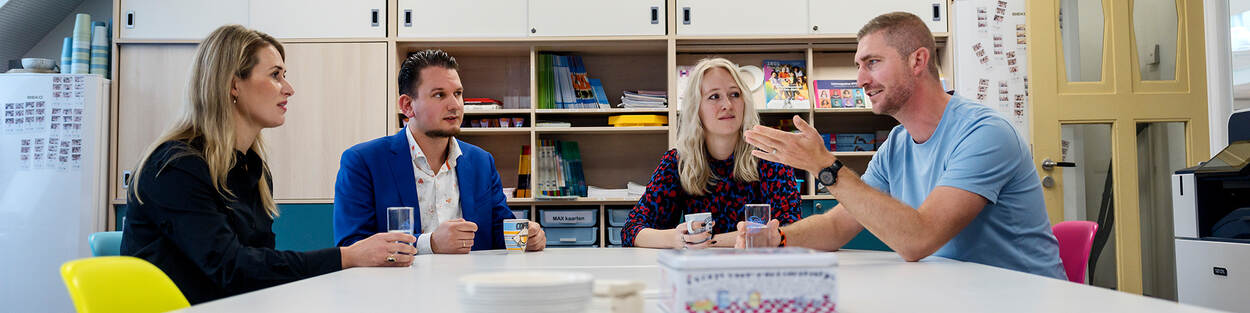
<point x="1048" y="164"/>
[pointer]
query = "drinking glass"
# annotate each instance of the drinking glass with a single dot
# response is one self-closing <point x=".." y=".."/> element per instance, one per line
<point x="756" y="217"/>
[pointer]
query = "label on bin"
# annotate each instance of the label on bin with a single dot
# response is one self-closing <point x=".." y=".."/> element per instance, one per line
<point x="569" y="217"/>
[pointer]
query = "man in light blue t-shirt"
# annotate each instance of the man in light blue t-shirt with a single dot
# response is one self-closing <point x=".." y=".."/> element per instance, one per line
<point x="954" y="180"/>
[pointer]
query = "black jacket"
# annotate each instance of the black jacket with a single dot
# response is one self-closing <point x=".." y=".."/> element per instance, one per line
<point x="212" y="246"/>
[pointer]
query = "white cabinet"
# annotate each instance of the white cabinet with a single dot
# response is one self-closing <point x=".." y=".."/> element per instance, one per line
<point x="164" y="19"/>
<point x="596" y="17"/>
<point x="839" y="17"/>
<point x="742" y="17"/>
<point x="461" y="18"/>
<point x="319" y="18"/>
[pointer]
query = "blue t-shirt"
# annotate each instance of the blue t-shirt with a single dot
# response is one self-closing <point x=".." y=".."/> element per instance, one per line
<point x="975" y="149"/>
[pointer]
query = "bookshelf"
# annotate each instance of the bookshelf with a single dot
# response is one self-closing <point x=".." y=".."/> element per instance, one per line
<point x="499" y="62"/>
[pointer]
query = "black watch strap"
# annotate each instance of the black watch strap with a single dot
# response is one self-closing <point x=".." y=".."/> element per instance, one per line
<point x="829" y="175"/>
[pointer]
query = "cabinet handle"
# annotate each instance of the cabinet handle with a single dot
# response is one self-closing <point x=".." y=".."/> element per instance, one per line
<point x="685" y="15"/>
<point x="815" y="27"/>
<point x="130" y="19"/>
<point x="937" y="12"/>
<point x="655" y="15"/>
<point x="374" y="17"/>
<point x="407" y="17"/>
<point x="126" y="179"/>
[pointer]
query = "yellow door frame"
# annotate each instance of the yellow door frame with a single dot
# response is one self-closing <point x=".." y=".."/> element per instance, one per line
<point x="1121" y="99"/>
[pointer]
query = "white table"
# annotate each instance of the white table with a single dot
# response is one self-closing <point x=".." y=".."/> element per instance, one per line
<point x="868" y="281"/>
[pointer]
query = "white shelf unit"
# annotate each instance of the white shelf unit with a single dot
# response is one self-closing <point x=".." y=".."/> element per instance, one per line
<point x="498" y="52"/>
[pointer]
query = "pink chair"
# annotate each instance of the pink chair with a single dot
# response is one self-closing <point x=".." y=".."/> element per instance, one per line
<point x="1075" y="240"/>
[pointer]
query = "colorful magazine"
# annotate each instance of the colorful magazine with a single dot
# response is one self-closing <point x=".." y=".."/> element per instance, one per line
<point x="840" y="94"/>
<point x="786" y="84"/>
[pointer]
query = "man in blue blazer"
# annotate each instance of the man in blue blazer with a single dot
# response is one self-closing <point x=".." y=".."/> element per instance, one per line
<point x="459" y="200"/>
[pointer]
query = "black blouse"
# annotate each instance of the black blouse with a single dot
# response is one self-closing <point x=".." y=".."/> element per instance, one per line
<point x="212" y="246"/>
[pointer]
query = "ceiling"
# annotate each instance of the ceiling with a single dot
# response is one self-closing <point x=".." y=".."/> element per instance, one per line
<point x="23" y="23"/>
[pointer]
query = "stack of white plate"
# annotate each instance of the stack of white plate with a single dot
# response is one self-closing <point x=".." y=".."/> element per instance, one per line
<point x="527" y="291"/>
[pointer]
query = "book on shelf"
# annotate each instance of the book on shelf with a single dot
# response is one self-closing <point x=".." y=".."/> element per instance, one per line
<point x="564" y="83"/>
<point x="560" y="170"/>
<point x="479" y="104"/>
<point x="601" y="97"/>
<point x="785" y="86"/>
<point x="552" y="124"/>
<point x="523" y="174"/>
<point x="582" y="89"/>
<point x="841" y="94"/>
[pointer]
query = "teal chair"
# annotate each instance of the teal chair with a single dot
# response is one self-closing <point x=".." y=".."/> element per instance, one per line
<point x="106" y="243"/>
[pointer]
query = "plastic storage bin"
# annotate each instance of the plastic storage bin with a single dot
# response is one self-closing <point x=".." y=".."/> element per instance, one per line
<point x="618" y="217"/>
<point x="614" y="236"/>
<point x="755" y="280"/>
<point x="572" y="236"/>
<point x="568" y="218"/>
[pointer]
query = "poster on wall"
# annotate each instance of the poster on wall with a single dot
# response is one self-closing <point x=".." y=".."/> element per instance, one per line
<point x="48" y="124"/>
<point x="990" y="40"/>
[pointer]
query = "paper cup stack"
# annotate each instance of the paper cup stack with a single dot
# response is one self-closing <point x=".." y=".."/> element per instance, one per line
<point x="536" y="291"/>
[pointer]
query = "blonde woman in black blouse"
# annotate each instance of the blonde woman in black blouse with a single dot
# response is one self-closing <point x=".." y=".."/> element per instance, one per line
<point x="201" y="206"/>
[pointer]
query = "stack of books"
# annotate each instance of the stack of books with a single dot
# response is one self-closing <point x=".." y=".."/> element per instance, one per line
<point x="564" y="84"/>
<point x="477" y="104"/>
<point x="560" y="170"/>
<point x="644" y="99"/>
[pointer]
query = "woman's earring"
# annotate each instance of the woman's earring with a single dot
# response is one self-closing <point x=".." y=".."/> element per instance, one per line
<point x="234" y="100"/>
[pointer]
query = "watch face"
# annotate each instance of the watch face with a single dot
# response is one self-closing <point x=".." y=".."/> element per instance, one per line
<point x="826" y="177"/>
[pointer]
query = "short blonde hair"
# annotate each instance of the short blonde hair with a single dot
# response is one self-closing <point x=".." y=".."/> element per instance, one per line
<point x="906" y="33"/>
<point x="692" y="159"/>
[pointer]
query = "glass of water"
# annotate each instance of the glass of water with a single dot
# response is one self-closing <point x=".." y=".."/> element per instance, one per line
<point x="756" y="217"/>
<point x="399" y="220"/>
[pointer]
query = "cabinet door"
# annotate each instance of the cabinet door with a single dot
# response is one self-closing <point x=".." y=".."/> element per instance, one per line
<point x="461" y="18"/>
<point x="836" y="17"/>
<point x="151" y="92"/>
<point x="741" y="17"/>
<point x="320" y="18"/>
<point x="339" y="101"/>
<point x="596" y="17"/>
<point x="164" y="19"/>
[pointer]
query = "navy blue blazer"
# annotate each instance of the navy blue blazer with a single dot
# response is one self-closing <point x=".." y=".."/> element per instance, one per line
<point x="378" y="174"/>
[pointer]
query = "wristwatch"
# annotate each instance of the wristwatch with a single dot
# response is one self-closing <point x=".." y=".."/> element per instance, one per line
<point x="829" y="175"/>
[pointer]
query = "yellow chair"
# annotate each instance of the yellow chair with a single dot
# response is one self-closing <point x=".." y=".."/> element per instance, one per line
<point x="120" y="284"/>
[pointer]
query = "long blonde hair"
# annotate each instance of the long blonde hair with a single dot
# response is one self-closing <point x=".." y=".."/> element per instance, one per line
<point x="208" y="114"/>
<point x="692" y="159"/>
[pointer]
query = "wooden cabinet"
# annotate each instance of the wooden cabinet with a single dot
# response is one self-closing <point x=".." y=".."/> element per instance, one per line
<point x="319" y="18"/>
<point x="163" y="19"/>
<point x="461" y="18"/>
<point x="742" y="17"/>
<point x="596" y="17"/>
<point x="151" y="92"/>
<point x="340" y="100"/>
<point x="837" y="17"/>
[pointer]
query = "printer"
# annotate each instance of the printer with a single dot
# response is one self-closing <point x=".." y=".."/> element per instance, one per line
<point x="1211" y="216"/>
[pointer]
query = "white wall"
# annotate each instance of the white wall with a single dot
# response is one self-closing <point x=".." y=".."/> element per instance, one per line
<point x="50" y="46"/>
